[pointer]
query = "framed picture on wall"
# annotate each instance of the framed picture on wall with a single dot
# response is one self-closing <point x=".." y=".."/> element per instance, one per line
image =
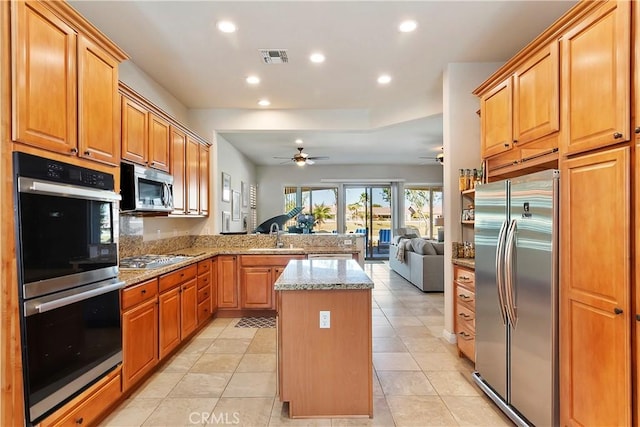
<point x="235" y="206"/>
<point x="226" y="187"/>
<point x="244" y="188"/>
<point x="226" y="221"/>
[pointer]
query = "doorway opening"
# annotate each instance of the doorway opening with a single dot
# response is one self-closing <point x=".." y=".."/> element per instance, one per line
<point x="367" y="210"/>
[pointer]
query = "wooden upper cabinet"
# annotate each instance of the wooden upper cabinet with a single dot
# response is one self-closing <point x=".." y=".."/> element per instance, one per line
<point x="595" y="291"/>
<point x="496" y="119"/>
<point x="536" y="96"/>
<point x="98" y="104"/>
<point x="135" y="141"/>
<point x="159" y="143"/>
<point x="193" y="176"/>
<point x="596" y="79"/>
<point x="44" y="82"/>
<point x="178" y="170"/>
<point x="203" y="165"/>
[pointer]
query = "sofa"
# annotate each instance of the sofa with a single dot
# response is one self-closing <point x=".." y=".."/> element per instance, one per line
<point x="422" y="262"/>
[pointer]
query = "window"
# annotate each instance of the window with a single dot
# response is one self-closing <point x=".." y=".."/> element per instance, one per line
<point x="321" y="202"/>
<point x="422" y="205"/>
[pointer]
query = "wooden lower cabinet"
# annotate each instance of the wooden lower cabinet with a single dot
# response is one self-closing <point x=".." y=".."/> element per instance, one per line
<point x="90" y="406"/>
<point x="465" y="311"/>
<point x="188" y="308"/>
<point x="258" y="273"/>
<point x="139" y="331"/>
<point x="205" y="296"/>
<point x="227" y="281"/>
<point x="169" y="321"/>
<point x="595" y="290"/>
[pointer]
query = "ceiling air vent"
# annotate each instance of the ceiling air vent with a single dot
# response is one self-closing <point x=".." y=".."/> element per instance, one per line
<point x="274" y="56"/>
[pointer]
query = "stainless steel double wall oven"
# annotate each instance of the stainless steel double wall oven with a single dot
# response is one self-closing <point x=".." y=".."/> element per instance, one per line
<point x="67" y="256"/>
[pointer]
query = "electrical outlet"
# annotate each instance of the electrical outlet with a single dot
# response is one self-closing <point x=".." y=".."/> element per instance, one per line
<point x="325" y="319"/>
<point x="347" y="242"/>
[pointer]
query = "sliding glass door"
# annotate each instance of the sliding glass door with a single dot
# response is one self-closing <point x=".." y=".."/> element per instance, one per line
<point x="367" y="210"/>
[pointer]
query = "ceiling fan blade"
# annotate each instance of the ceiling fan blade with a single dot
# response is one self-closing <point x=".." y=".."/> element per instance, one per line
<point x="277" y="157"/>
<point x="309" y="161"/>
<point x="317" y="158"/>
<point x="285" y="162"/>
<point x="305" y="155"/>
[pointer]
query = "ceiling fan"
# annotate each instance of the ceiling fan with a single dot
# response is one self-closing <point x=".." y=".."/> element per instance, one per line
<point x="302" y="159"/>
<point x="438" y="158"/>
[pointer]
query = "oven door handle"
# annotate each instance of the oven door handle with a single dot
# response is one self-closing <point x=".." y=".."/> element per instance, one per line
<point x="61" y="302"/>
<point x="29" y="185"/>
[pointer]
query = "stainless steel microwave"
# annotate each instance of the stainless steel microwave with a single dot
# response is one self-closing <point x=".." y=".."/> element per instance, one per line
<point x="145" y="190"/>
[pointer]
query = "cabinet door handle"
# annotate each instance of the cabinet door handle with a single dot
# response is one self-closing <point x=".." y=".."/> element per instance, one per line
<point x="87" y="153"/>
<point x="506" y="145"/>
<point x="465" y="315"/>
<point x="617" y="310"/>
<point x="617" y="135"/>
<point x="74" y="150"/>
<point x="637" y="130"/>
<point x="515" y="141"/>
<point x="144" y="291"/>
<point x="79" y="420"/>
<point x="638" y="317"/>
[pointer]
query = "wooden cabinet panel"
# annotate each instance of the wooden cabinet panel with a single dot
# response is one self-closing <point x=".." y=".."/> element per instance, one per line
<point x="536" y="96"/>
<point x="169" y="321"/>
<point x="204" y="266"/>
<point x="135" y="143"/>
<point x="464" y="310"/>
<point x="193" y="176"/>
<point x="203" y="166"/>
<point x="188" y="308"/>
<point x="169" y="280"/>
<point x="496" y="119"/>
<point x="178" y="170"/>
<point x="139" y="342"/>
<point x="227" y="282"/>
<point x="45" y="79"/>
<point x="214" y="285"/>
<point x="595" y="289"/>
<point x="98" y="104"/>
<point x="159" y="143"/>
<point x="134" y="295"/>
<point x="597" y="50"/>
<point x="256" y="287"/>
<point x="89" y="406"/>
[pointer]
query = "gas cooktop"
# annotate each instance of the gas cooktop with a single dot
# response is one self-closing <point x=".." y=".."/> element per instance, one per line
<point x="151" y="261"/>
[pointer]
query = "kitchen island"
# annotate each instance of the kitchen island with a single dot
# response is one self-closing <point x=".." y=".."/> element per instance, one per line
<point x="324" y="339"/>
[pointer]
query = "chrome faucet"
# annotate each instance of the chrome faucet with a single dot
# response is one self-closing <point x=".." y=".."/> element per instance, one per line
<point x="279" y="243"/>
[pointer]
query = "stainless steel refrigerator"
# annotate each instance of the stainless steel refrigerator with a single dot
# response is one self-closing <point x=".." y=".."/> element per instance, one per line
<point x="516" y="238"/>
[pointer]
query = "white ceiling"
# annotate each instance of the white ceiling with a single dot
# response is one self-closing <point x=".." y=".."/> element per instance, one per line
<point x="177" y="44"/>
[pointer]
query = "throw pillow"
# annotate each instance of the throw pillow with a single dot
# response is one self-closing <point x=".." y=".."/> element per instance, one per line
<point x="422" y="247"/>
<point x="439" y="248"/>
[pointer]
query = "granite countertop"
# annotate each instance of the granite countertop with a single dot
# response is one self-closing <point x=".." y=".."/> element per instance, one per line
<point x="465" y="262"/>
<point x="132" y="276"/>
<point x="322" y="275"/>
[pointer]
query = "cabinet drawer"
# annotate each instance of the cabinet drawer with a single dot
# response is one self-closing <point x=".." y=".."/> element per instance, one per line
<point x="267" y="260"/>
<point x="204" y="280"/>
<point x="174" y="278"/>
<point x="467" y="342"/>
<point x="464" y="277"/>
<point x="465" y="296"/>
<point x="204" y="294"/>
<point x="136" y="294"/>
<point x="204" y="311"/>
<point x="91" y="407"/>
<point x="466" y="317"/>
<point x="204" y="266"/>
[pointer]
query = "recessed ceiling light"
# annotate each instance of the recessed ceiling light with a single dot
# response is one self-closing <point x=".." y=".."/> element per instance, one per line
<point x="384" y="79"/>
<point x="407" y="26"/>
<point x="317" y="58"/>
<point x="253" y="80"/>
<point x="264" y="103"/>
<point x="227" y="26"/>
<point x="298" y="141"/>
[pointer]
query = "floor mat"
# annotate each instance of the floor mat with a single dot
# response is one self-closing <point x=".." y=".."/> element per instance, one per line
<point x="257" y="322"/>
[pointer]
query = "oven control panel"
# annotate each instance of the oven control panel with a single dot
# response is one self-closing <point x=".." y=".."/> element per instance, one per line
<point x="51" y="170"/>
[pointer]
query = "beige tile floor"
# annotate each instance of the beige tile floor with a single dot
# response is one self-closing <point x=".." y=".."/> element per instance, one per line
<point x="227" y="375"/>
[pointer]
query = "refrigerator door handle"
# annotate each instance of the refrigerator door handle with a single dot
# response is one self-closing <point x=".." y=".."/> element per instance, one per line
<point x="509" y="288"/>
<point x="500" y="271"/>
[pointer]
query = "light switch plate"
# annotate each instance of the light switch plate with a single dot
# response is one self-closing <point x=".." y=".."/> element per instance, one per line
<point x="347" y="242"/>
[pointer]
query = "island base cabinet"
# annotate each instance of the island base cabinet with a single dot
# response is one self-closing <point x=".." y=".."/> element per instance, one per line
<point x="325" y="372"/>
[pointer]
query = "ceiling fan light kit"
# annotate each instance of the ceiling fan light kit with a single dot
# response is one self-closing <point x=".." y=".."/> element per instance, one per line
<point x="302" y="159"/>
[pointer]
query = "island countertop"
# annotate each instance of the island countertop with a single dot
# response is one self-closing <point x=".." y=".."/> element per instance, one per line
<point x="323" y="274"/>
